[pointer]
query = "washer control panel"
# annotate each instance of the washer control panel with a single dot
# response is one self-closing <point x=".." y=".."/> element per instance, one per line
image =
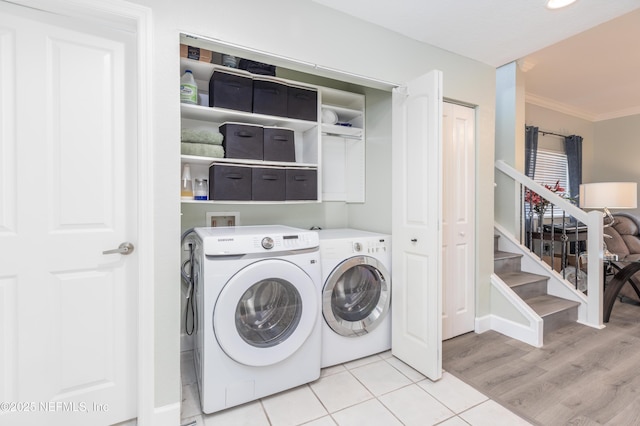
<point x="267" y="243"/>
<point x="255" y="239"/>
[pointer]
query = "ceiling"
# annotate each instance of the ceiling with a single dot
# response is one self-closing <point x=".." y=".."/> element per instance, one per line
<point x="583" y="59"/>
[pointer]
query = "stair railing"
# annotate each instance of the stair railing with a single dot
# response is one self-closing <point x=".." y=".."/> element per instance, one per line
<point x="560" y="226"/>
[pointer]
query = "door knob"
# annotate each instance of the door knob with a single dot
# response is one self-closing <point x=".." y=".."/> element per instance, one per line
<point x="414" y="240"/>
<point x="124" y="248"/>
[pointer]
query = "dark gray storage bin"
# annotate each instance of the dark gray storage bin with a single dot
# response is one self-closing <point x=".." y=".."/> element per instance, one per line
<point x="268" y="184"/>
<point x="302" y="103"/>
<point x="302" y="184"/>
<point x="269" y="97"/>
<point x="231" y="90"/>
<point x="257" y="67"/>
<point x="229" y="182"/>
<point x="242" y="140"/>
<point x="279" y="144"/>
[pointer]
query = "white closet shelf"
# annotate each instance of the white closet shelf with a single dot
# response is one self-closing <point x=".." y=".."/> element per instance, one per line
<point x="220" y="115"/>
<point x="207" y="161"/>
<point x="249" y="202"/>
<point x="336" y="130"/>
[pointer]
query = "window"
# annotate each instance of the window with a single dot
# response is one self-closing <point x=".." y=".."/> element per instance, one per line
<point x="551" y="167"/>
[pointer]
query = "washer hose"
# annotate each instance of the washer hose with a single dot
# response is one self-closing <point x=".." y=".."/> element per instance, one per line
<point x="188" y="278"/>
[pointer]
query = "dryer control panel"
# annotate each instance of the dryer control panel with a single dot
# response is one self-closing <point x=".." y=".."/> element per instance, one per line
<point x="239" y="240"/>
<point x="370" y="246"/>
<point x="345" y="242"/>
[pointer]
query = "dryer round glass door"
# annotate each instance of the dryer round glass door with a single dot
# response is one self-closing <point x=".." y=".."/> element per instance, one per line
<point x="356" y="296"/>
<point x="265" y="312"/>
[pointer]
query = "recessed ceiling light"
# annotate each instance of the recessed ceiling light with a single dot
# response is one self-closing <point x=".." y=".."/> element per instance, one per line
<point x="557" y="4"/>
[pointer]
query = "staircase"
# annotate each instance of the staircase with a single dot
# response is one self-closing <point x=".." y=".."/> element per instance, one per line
<point x="532" y="289"/>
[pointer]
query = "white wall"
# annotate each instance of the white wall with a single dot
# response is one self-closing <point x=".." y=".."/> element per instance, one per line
<point x="306" y="31"/>
<point x="509" y="142"/>
<point x="616" y="152"/>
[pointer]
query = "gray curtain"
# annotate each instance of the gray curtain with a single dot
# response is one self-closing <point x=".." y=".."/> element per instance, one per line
<point x="573" y="149"/>
<point x="530" y="155"/>
<point x="530" y="150"/>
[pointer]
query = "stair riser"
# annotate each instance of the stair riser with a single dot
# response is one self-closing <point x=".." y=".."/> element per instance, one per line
<point x="511" y="264"/>
<point x="532" y="289"/>
<point x="529" y="290"/>
<point x="553" y="322"/>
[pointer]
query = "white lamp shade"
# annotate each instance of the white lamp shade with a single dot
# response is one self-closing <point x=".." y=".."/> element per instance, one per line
<point x="612" y="195"/>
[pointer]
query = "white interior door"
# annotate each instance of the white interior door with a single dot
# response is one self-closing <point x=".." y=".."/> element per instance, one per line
<point x="458" y="230"/>
<point x="68" y="312"/>
<point x="417" y="209"/>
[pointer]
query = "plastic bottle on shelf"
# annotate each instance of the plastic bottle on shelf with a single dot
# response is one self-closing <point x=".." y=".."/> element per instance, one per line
<point x="186" y="192"/>
<point x="201" y="190"/>
<point x="188" y="88"/>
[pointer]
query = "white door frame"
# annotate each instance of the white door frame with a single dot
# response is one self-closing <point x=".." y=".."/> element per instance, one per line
<point x="140" y="17"/>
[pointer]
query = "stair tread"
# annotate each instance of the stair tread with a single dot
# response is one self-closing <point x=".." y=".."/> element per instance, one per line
<point x="499" y="254"/>
<point x="516" y="278"/>
<point x="548" y="304"/>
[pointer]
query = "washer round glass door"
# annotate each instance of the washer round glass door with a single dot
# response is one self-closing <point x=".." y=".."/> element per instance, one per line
<point x="356" y="296"/>
<point x="265" y="312"/>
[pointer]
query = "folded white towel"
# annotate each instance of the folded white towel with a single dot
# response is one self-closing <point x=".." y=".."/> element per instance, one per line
<point x="201" y="136"/>
<point x="202" y="150"/>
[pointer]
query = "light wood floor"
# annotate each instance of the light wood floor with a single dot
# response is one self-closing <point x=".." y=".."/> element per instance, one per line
<point x="582" y="376"/>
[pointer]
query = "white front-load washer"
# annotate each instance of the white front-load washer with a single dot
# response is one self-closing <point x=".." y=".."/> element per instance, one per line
<point x="258" y="301"/>
<point x="356" y="294"/>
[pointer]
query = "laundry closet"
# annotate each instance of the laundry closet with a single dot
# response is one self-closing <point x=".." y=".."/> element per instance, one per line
<point x="334" y="170"/>
<point x="331" y="148"/>
<point x="274" y="146"/>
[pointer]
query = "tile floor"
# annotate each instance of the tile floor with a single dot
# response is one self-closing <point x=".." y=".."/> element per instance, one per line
<point x="377" y="390"/>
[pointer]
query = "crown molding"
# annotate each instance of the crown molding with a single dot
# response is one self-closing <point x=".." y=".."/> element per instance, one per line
<point x="577" y="112"/>
<point x="558" y="106"/>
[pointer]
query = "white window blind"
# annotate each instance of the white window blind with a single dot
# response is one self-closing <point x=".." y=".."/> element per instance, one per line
<point x="551" y="167"/>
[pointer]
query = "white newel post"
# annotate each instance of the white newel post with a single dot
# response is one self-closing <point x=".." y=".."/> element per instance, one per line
<point x="595" y="269"/>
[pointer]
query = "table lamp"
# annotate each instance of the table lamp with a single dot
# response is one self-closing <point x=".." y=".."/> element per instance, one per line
<point x="609" y="195"/>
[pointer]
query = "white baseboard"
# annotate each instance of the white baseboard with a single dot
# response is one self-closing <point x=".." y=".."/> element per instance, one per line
<point x="483" y="324"/>
<point x="512" y="329"/>
<point x="167" y="415"/>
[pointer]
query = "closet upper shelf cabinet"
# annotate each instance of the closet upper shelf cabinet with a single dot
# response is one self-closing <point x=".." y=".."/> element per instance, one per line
<point x="343" y="146"/>
<point x="342" y="113"/>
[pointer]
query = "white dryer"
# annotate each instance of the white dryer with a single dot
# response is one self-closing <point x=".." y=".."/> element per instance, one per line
<point x="356" y="294"/>
<point x="257" y="296"/>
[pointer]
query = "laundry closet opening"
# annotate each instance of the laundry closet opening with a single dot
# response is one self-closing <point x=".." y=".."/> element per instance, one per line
<point x="350" y="153"/>
<point x="347" y="150"/>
